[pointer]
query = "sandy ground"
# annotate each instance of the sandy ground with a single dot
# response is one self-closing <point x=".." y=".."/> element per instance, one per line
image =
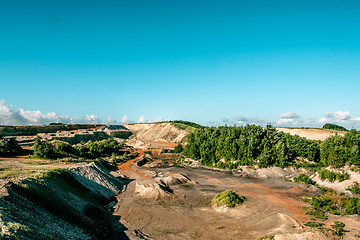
<point x="272" y="207"/>
<point x="155" y="135"/>
<point x="311" y="133"/>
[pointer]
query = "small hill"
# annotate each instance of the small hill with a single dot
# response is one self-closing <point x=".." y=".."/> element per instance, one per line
<point x="156" y="135"/>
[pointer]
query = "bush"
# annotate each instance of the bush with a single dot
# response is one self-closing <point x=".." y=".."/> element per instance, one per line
<point x="303" y="178"/>
<point x="355" y="188"/>
<point x="179" y="148"/>
<point x="338" y="228"/>
<point x="228" y="198"/>
<point x="9" y="147"/>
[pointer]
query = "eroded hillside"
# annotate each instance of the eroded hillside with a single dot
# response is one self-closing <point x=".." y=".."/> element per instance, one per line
<point x="155" y="135"/>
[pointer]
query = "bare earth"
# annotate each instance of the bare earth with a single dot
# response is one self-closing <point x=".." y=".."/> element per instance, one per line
<point x="311" y="133"/>
<point x="272" y="206"/>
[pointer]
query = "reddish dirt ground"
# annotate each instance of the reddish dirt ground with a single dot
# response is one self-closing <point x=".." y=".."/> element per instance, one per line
<point x="272" y="206"/>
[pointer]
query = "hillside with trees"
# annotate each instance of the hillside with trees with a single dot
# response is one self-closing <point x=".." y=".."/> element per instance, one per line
<point x="334" y="127"/>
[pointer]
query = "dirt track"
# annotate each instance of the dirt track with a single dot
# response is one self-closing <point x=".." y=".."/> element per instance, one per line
<point x="272" y="206"/>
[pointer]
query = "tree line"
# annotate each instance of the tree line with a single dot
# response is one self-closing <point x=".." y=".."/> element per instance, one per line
<point x="230" y="147"/>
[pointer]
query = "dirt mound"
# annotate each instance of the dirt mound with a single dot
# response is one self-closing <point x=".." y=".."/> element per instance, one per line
<point x="155" y="135"/>
<point x="153" y="190"/>
<point x="311" y="133"/>
<point x="96" y="177"/>
<point x="176" y="179"/>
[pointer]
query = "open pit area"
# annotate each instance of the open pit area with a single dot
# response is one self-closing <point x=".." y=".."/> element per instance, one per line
<point x="185" y="212"/>
<point x="154" y="196"/>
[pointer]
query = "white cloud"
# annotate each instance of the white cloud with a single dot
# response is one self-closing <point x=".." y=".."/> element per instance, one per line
<point x="343" y="118"/>
<point x="289" y="119"/>
<point x="289" y="115"/>
<point x="159" y="119"/>
<point x="111" y="120"/>
<point x="124" y="119"/>
<point x="11" y="116"/>
<point x="141" y="119"/>
<point x="323" y="120"/>
<point x="240" y="120"/>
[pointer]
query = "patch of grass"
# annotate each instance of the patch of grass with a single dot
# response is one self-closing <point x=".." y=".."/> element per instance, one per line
<point x="15" y="172"/>
<point x="228" y="198"/>
<point x="269" y="237"/>
<point x="184" y="127"/>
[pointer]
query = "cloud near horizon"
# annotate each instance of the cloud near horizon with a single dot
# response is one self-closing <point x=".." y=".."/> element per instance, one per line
<point x="343" y="118"/>
<point x="11" y="116"/>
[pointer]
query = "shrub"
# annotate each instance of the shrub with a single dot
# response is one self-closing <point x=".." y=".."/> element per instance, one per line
<point x="338" y="228"/>
<point x="355" y="188"/>
<point x="9" y="147"/>
<point x="332" y="176"/>
<point x="303" y="178"/>
<point x="179" y="148"/>
<point x="228" y="198"/>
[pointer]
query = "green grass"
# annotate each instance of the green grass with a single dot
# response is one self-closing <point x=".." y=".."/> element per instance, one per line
<point x="184" y="126"/>
<point x="228" y="198"/>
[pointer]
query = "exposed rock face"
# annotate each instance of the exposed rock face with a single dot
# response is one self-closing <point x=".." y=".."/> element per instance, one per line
<point x="65" y="205"/>
<point x="95" y="177"/>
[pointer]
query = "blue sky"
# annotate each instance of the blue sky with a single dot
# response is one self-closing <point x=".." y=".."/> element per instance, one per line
<point x="213" y="62"/>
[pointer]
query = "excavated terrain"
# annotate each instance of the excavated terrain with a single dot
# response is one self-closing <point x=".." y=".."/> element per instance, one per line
<point x="155" y="135"/>
<point x="152" y="197"/>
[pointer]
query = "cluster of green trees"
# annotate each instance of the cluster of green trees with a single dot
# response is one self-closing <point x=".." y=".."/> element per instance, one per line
<point x="339" y="151"/>
<point x="247" y="145"/>
<point x="334" y="127"/>
<point x="252" y="144"/>
<point x="178" y="149"/>
<point x="9" y="147"/>
<point x="187" y="123"/>
<point x="90" y="150"/>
